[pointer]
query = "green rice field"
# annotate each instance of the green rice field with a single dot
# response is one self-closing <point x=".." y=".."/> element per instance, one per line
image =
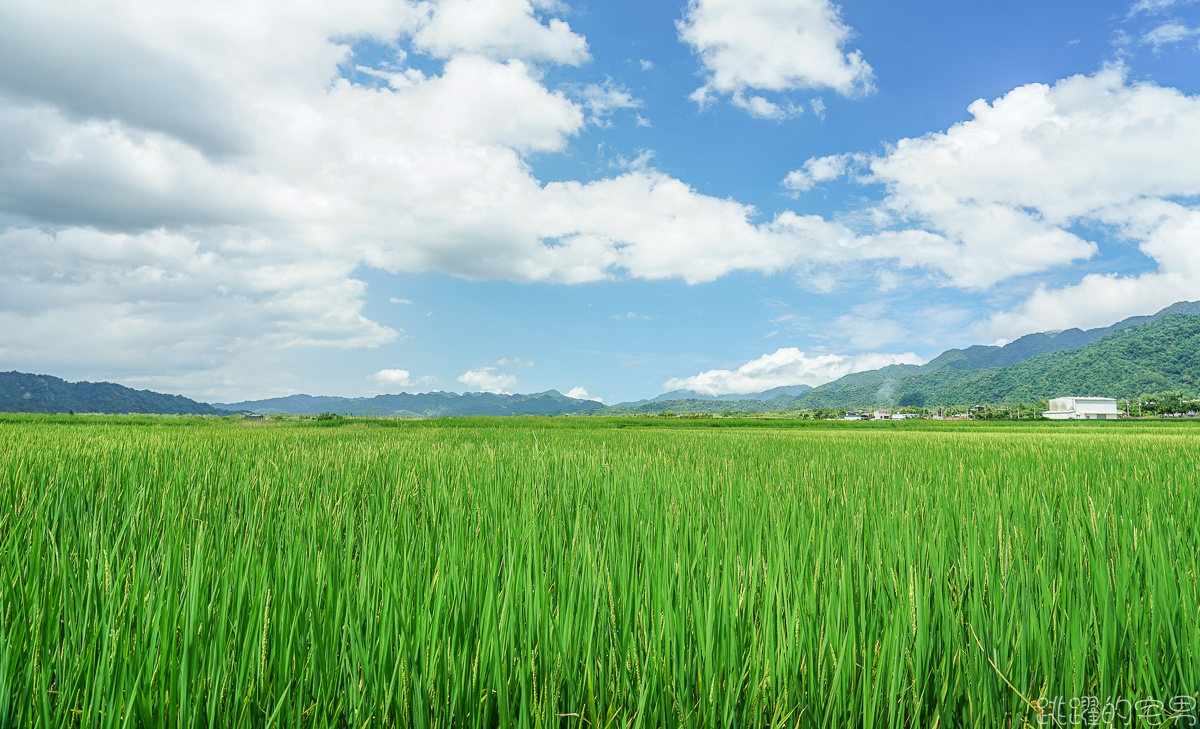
<point x="592" y="572"/>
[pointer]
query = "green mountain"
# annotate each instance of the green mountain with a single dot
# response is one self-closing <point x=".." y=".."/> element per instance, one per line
<point x="1140" y="355"/>
<point x="788" y="392"/>
<point x="25" y="393"/>
<point x="895" y="384"/>
<point x="690" y="401"/>
<point x="1162" y="354"/>
<point x="429" y="404"/>
<point x="695" y="405"/>
<point x="983" y="357"/>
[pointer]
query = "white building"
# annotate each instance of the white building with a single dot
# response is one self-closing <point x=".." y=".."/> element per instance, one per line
<point x="1083" y="408"/>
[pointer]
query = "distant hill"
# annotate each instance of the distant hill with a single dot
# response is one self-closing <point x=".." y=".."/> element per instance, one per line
<point x="25" y="393"/>
<point x="983" y="357"/>
<point x="789" y="392"/>
<point x="977" y="374"/>
<point x="1139" y="355"/>
<point x="690" y="401"/>
<point x="1160" y="354"/>
<point x="694" y="405"/>
<point x="429" y="404"/>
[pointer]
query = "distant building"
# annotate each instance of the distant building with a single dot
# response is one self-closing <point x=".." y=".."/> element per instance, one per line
<point x="1083" y="408"/>
<point x="882" y="415"/>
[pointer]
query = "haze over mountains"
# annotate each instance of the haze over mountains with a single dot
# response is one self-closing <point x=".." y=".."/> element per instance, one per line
<point x="1143" y="354"/>
<point x="429" y="404"/>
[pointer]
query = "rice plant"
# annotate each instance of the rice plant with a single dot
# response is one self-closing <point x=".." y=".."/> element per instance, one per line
<point x="492" y="573"/>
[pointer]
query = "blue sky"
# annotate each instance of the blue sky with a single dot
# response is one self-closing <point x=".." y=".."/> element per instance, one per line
<point x="243" y="200"/>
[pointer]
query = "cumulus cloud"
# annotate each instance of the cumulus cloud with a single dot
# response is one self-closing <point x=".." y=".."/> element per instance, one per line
<point x="95" y="71"/>
<point x="399" y="379"/>
<point x="169" y="304"/>
<point x="253" y="200"/>
<point x="786" y="366"/>
<point x="1000" y="195"/>
<point x="392" y="378"/>
<point x="487" y="379"/>
<point x="500" y="29"/>
<point x="194" y="238"/>
<point x="580" y="393"/>
<point x="819" y="169"/>
<point x="774" y="46"/>
<point x="1003" y="194"/>
<point x="649" y="225"/>
<point x="1167" y="232"/>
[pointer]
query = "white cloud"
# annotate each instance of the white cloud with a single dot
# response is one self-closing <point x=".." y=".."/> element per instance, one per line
<point x="487" y="379"/>
<point x="1168" y="233"/>
<point x="646" y="65"/>
<point x="999" y="195"/>
<point x="500" y="29"/>
<point x="819" y="169"/>
<point x="602" y="99"/>
<point x="196" y="238"/>
<point x="580" y="393"/>
<point x="47" y="56"/>
<point x="786" y="366"/>
<point x="515" y="361"/>
<point x="392" y="378"/>
<point x="394" y="300"/>
<point x="771" y="45"/>
<point x="476" y="100"/>
<point x="649" y="225"/>
<point x="818" y="108"/>
<point x="1155" y="6"/>
<point x="303" y="178"/>
<point x="399" y="379"/>
<point x="170" y="304"/>
<point x="425" y="173"/>
<point x="760" y="107"/>
<point x="1168" y="34"/>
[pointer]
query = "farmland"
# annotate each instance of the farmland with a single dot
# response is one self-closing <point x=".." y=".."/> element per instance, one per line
<point x="592" y="572"/>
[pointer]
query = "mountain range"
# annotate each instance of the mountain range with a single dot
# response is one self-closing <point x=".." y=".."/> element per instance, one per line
<point x="428" y="405"/>
<point x="1157" y="356"/>
<point x="25" y="393"/>
<point x="787" y="392"/>
<point x="1139" y="355"/>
